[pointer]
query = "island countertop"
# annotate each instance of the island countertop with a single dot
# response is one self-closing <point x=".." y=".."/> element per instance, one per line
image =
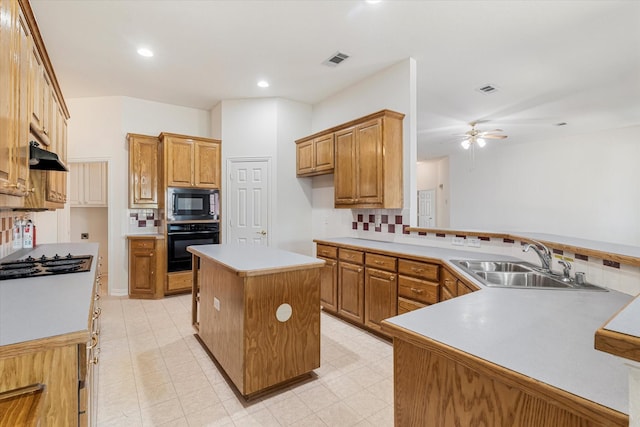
<point x="547" y="335"/>
<point x="254" y="260"/>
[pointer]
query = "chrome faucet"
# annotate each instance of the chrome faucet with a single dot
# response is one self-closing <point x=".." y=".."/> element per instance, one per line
<point x="543" y="253"/>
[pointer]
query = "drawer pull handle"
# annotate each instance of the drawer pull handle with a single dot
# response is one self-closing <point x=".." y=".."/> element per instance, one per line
<point x="97" y="313"/>
<point x="417" y="270"/>
<point x="348" y="256"/>
<point x="94" y="360"/>
<point x="378" y="262"/>
<point x="392" y="278"/>
<point x="94" y="342"/>
<point x="416" y="290"/>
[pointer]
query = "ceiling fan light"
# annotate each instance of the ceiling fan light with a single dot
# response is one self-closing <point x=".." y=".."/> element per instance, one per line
<point x="465" y="144"/>
<point x="481" y="142"/>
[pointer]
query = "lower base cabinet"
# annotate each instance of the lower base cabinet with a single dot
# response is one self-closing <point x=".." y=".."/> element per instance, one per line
<point x="351" y="291"/>
<point x="381" y="294"/>
<point x="179" y="282"/>
<point x="146" y="267"/>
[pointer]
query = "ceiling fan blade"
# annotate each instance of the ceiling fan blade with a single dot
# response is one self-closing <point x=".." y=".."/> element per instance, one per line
<point x="492" y="131"/>
<point x="494" y="136"/>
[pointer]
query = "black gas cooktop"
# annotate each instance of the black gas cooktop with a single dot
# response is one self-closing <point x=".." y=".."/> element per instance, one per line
<point x="44" y="266"/>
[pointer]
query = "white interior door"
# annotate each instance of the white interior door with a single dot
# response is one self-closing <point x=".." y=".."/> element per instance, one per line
<point x="427" y="208"/>
<point x="248" y="202"/>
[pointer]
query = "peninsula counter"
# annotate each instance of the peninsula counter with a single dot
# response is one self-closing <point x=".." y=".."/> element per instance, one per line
<point x="257" y="311"/>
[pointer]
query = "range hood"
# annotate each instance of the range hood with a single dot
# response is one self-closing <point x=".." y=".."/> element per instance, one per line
<point x="44" y="160"/>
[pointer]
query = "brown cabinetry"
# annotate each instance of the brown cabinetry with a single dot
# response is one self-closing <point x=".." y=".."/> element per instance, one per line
<point x="351" y="285"/>
<point x="191" y="161"/>
<point x="417" y="284"/>
<point x="452" y="286"/>
<point x="31" y="109"/>
<point x="144" y="170"/>
<point x="381" y="290"/>
<point x="329" y="277"/>
<point x="314" y="155"/>
<point x="368" y="163"/>
<point x="146" y="267"/>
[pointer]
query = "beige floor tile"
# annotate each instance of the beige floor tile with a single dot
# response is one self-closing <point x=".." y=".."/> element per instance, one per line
<point x="311" y="421"/>
<point x="339" y="414"/>
<point x="383" y="390"/>
<point x="261" y="418"/>
<point x="188" y="384"/>
<point x="383" y="418"/>
<point x="214" y="415"/>
<point x="180" y="422"/>
<point x="156" y="394"/>
<point x="318" y="397"/>
<point x="364" y="403"/>
<point x="239" y="408"/>
<point x="289" y="410"/>
<point x="199" y="399"/>
<point x="162" y="413"/>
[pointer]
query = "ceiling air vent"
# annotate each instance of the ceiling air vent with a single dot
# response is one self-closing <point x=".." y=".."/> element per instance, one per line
<point x="487" y="89"/>
<point x="335" y="59"/>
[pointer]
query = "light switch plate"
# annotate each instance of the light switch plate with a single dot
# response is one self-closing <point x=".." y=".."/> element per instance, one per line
<point x="216" y="303"/>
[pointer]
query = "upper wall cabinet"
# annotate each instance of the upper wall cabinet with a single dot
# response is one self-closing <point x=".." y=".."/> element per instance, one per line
<point x="31" y="109"/>
<point x="191" y="161"/>
<point x="144" y="171"/>
<point x="365" y="156"/>
<point x="88" y="184"/>
<point x="314" y="155"/>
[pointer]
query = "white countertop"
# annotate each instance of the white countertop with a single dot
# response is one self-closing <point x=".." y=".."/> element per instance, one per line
<point x="39" y="307"/>
<point x="547" y="335"/>
<point x="628" y="320"/>
<point x="254" y="259"/>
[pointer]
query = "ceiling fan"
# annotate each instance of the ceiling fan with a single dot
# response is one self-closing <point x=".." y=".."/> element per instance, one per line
<point x="475" y="136"/>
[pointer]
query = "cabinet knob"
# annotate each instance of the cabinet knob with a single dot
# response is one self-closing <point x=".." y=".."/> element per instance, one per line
<point x="416" y="290"/>
<point x="417" y="270"/>
<point x="392" y="278"/>
<point x="378" y="262"/>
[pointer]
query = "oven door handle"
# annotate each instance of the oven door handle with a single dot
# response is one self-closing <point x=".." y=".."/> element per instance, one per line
<point x="173" y="233"/>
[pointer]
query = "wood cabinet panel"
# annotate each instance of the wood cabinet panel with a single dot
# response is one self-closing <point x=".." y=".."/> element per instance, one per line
<point x="406" y="305"/>
<point x="329" y="285"/>
<point x="381" y="294"/>
<point x="421" y="270"/>
<point x="327" y="251"/>
<point x="144" y="171"/>
<point x="382" y="262"/>
<point x="88" y="184"/>
<point x="369" y="173"/>
<point x="179" y="282"/>
<point x="431" y="389"/>
<point x="351" y="291"/>
<point x="207" y="164"/>
<point x="180" y="161"/>
<point x="350" y="255"/>
<point x="146" y="267"/>
<point x="345" y="170"/>
<point x="418" y="290"/>
<point x="315" y="156"/>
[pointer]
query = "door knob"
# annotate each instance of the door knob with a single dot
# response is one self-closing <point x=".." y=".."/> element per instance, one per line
<point x="264" y="233"/>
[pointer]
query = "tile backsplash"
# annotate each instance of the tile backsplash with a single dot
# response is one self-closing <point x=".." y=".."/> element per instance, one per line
<point x="144" y="221"/>
<point x="6" y="231"/>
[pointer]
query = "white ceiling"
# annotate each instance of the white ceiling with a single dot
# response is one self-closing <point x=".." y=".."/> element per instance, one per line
<point x="553" y="61"/>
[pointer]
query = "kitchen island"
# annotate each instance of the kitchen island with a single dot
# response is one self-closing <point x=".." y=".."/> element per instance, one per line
<point x="257" y="311"/>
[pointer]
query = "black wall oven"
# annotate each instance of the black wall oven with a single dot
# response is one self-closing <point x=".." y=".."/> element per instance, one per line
<point x="189" y="204"/>
<point x="179" y="236"/>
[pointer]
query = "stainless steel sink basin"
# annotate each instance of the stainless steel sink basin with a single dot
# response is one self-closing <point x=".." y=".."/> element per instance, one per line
<point x="519" y="274"/>
<point x="505" y="266"/>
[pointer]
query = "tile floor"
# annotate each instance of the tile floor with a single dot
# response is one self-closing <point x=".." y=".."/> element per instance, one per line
<point x="153" y="372"/>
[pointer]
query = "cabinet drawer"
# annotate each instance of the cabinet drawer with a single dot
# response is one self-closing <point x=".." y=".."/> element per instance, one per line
<point x="449" y="282"/>
<point x="407" y="305"/>
<point x="418" y="269"/>
<point x="327" y="251"/>
<point x="419" y="290"/>
<point x="143" y="244"/>
<point x="356" y="257"/>
<point x="380" y="261"/>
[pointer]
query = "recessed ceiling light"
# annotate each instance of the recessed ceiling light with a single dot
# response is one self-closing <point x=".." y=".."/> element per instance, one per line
<point x="143" y="51"/>
<point x="263" y="83"/>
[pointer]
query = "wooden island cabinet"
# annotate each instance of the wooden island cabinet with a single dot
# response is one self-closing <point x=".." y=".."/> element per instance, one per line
<point x="257" y="311"/>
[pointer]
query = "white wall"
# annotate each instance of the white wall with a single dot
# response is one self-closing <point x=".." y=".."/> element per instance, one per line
<point x="393" y="88"/>
<point x="268" y="128"/>
<point x="97" y="130"/>
<point x="582" y="186"/>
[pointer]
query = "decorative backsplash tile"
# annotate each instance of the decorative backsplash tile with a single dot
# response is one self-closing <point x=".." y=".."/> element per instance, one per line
<point x="6" y="231"/>
<point x="143" y="220"/>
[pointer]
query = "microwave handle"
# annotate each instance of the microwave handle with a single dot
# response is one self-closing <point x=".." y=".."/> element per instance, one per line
<point x="173" y="202"/>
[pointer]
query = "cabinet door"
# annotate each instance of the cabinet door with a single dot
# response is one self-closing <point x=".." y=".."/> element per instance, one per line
<point x="143" y="172"/>
<point x="179" y="162"/>
<point x="7" y="97"/>
<point x="351" y="291"/>
<point x="142" y="264"/>
<point x="449" y="288"/>
<point x="345" y="170"/>
<point x="22" y="131"/>
<point x="304" y="157"/>
<point x="323" y="153"/>
<point x="75" y="184"/>
<point x="95" y="180"/>
<point x="369" y="162"/>
<point x="36" y="82"/>
<point x="207" y="164"/>
<point x="381" y="297"/>
<point x="329" y="285"/>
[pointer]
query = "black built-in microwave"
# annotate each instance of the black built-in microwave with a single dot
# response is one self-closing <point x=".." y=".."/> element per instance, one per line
<point x="189" y="204"/>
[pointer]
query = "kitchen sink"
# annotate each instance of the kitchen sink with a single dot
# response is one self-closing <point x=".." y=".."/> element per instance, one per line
<point x="519" y="274"/>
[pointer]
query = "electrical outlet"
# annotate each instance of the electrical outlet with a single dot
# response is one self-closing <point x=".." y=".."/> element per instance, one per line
<point x="84" y="236"/>
<point x="457" y="241"/>
<point x="473" y="243"/>
<point x="216" y="303"/>
<point x="132" y="220"/>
